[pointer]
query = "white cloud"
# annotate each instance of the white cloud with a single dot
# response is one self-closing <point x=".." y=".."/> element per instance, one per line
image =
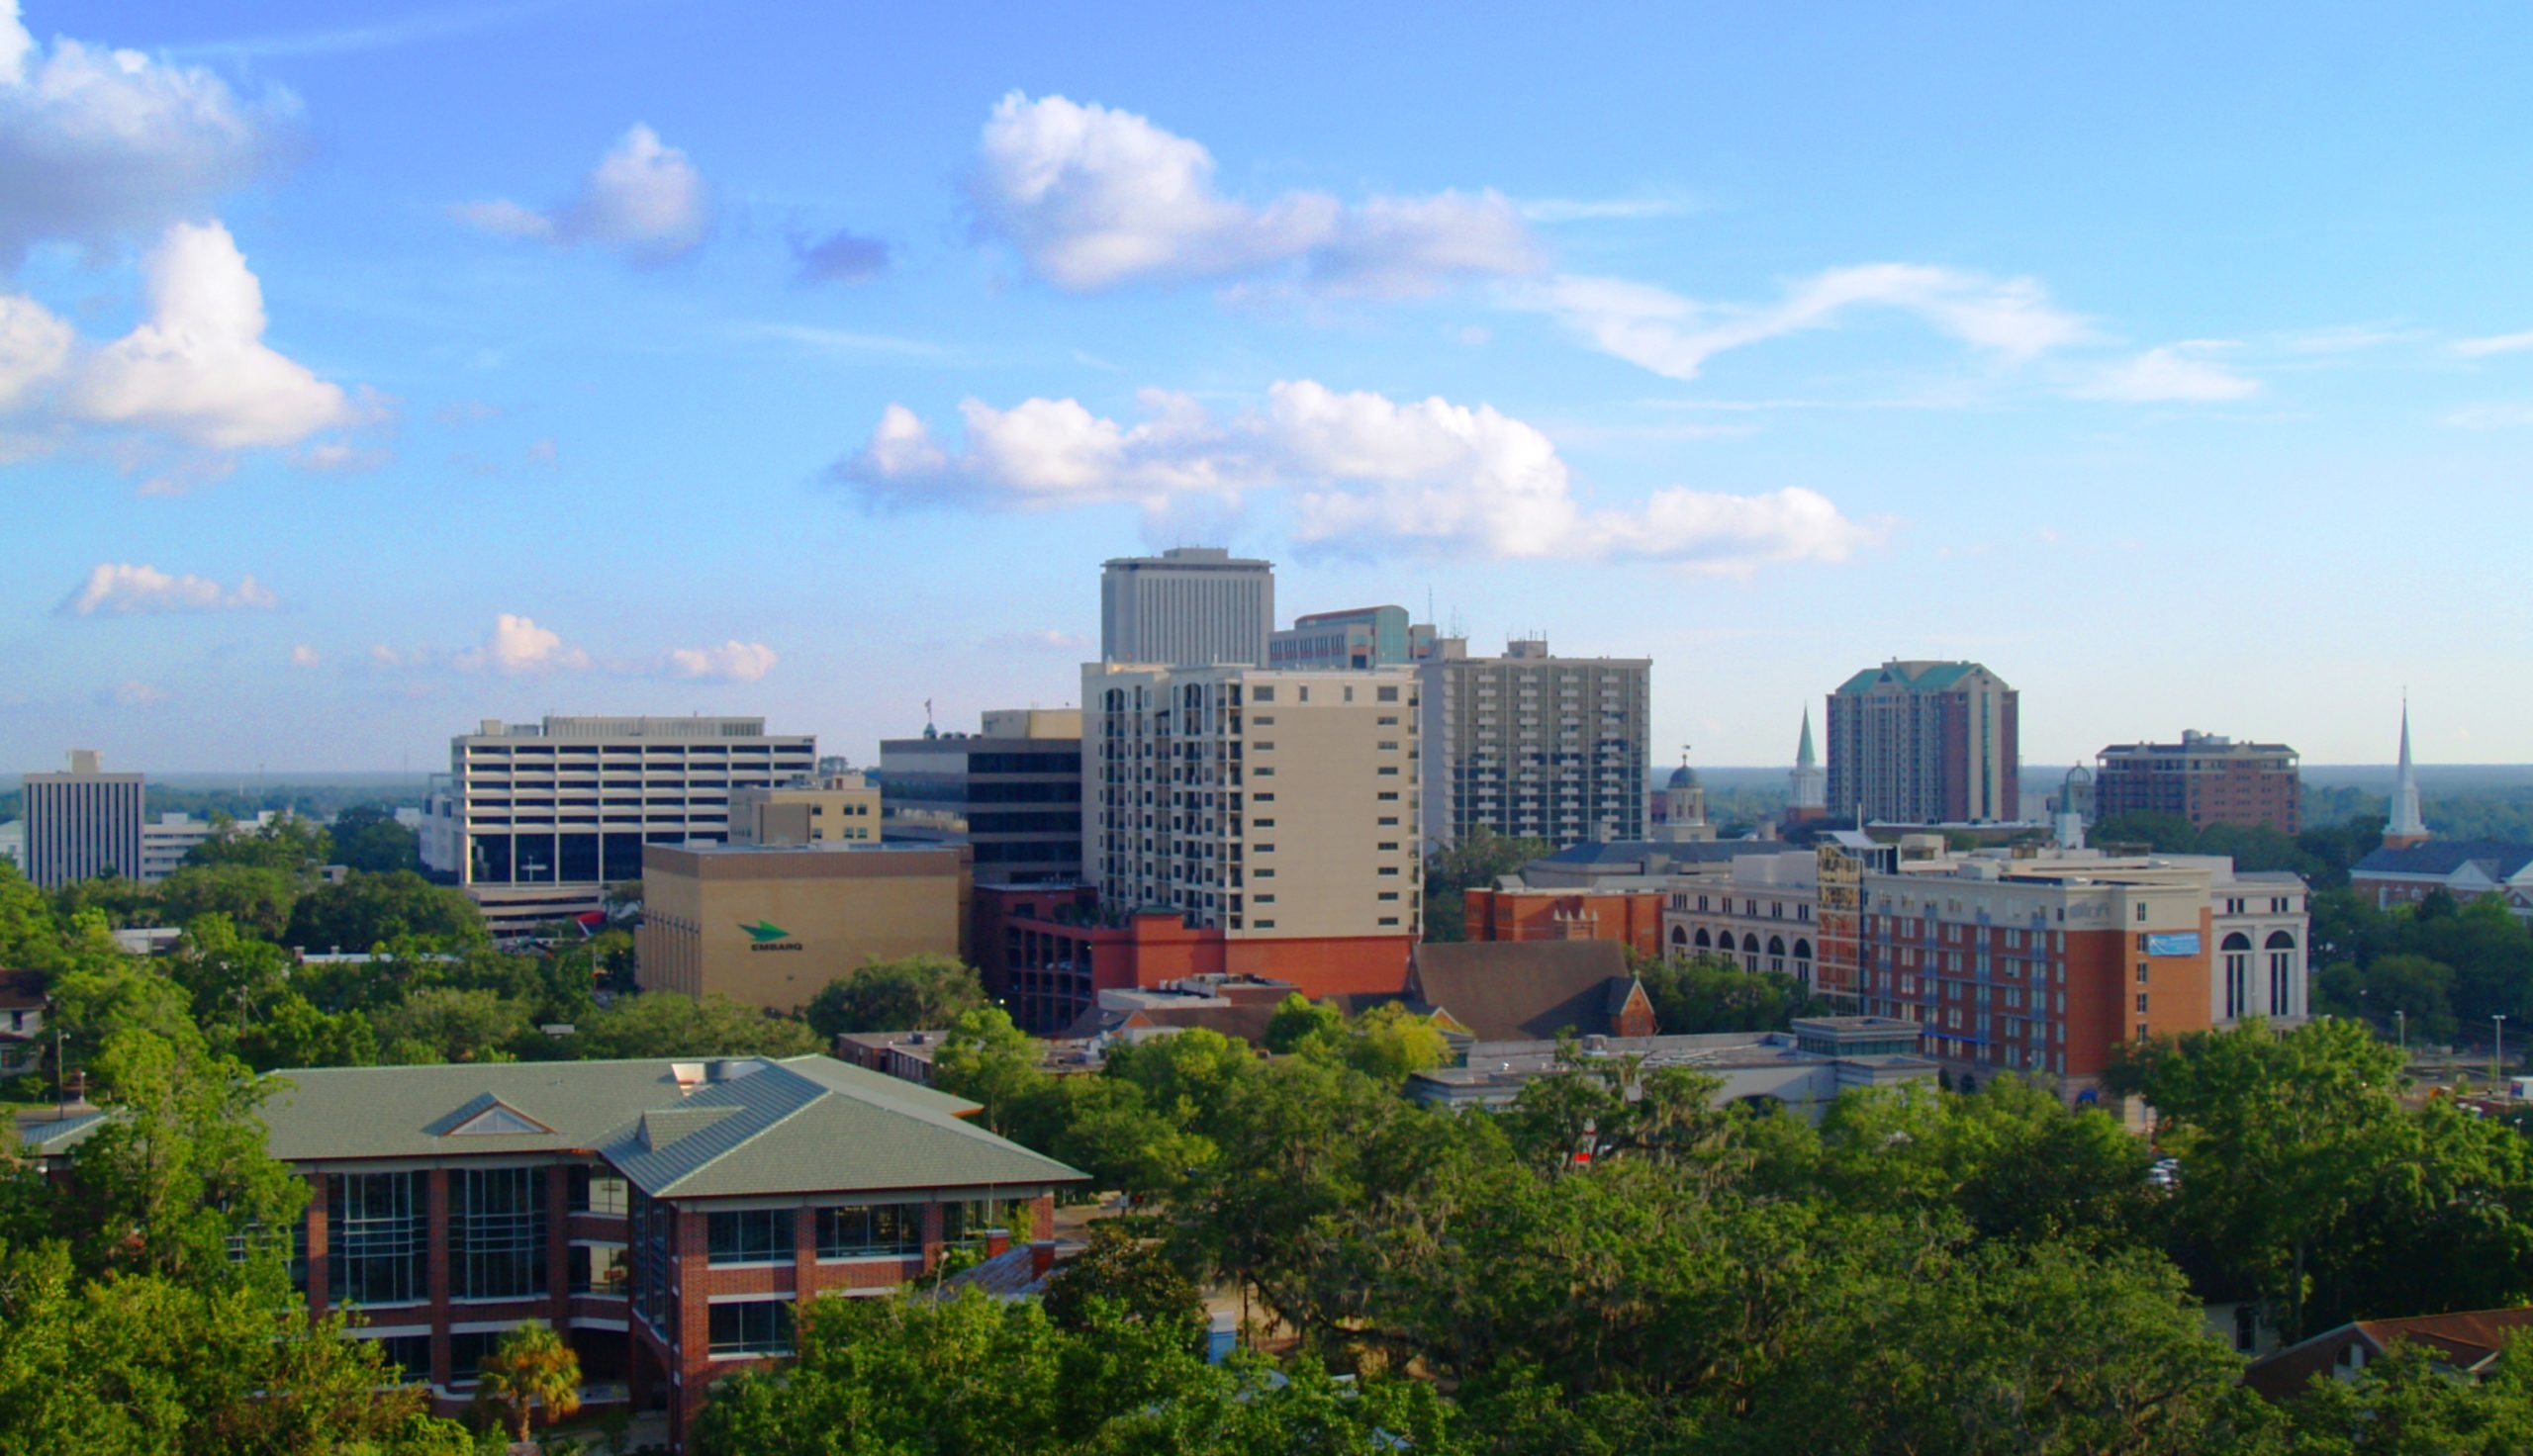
<point x="96" y="144"/>
<point x="131" y="692"/>
<point x="2487" y="416"/>
<point x="35" y="347"/>
<point x="644" y="200"/>
<point x="125" y="589"/>
<point x="1094" y="197"/>
<point x="1674" y="336"/>
<point x="2497" y="343"/>
<point x="1367" y="474"/>
<point x="2175" y="373"/>
<point x="303" y="655"/>
<point x="1604" y="209"/>
<point x="516" y="647"/>
<point x="197" y="368"/>
<point x="1044" y="640"/>
<point x="731" y="662"/>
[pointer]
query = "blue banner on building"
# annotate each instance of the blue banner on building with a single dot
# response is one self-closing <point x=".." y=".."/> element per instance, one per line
<point x="2176" y="943"/>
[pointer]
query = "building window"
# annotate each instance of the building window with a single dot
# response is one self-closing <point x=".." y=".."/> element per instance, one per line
<point x="752" y="1328"/>
<point x="599" y="1269"/>
<point x="411" y="1353"/>
<point x="651" y="1282"/>
<point x="467" y="1351"/>
<point x="969" y="1223"/>
<point x="2141" y="1003"/>
<point x="596" y="1191"/>
<point x="380" y="1241"/>
<point x="495" y="1233"/>
<point x="894" y="1228"/>
<point x="751" y="1236"/>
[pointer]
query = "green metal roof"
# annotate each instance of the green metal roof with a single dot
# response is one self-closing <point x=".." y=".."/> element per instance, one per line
<point x="732" y="1127"/>
<point x="1917" y="676"/>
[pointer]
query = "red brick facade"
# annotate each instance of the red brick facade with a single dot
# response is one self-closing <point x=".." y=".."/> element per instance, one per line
<point x="1634" y="919"/>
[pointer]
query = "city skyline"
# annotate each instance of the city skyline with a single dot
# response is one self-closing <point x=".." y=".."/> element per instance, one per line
<point x="362" y="378"/>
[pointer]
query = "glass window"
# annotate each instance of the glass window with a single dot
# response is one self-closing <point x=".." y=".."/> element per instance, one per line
<point x="754" y="1327"/>
<point x="651" y="1254"/>
<point x="752" y="1237"/>
<point x="496" y="1233"/>
<point x="883" y="1230"/>
<point x="596" y="1191"/>
<point x="967" y="1223"/>
<point x="409" y="1353"/>
<point x="467" y="1351"/>
<point x="378" y="1237"/>
<point x="599" y="1269"/>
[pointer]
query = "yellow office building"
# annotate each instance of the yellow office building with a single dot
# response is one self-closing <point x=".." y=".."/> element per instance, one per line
<point x="769" y="925"/>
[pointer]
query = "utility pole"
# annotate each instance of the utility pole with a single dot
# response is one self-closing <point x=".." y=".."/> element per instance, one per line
<point x="2402" y="1028"/>
<point x="2497" y="1053"/>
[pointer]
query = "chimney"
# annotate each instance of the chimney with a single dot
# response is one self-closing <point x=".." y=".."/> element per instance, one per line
<point x="1042" y="1258"/>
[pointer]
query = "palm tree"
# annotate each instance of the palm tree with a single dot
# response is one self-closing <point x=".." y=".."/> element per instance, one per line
<point x="532" y="1367"/>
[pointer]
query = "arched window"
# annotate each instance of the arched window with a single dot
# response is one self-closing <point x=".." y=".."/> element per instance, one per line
<point x="2238" y="974"/>
<point x="1703" y="941"/>
<point x="2282" y="973"/>
<point x="1802" y="949"/>
<point x="1776" y="953"/>
<point x="1679" y="934"/>
<point x="1750" y="944"/>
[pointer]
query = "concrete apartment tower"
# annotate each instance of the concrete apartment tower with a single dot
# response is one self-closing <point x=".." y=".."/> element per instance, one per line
<point x="1271" y="807"/>
<point x="2405" y="828"/>
<point x="1535" y="746"/>
<point x="1924" y="743"/>
<point x="2206" y="778"/>
<point x="1192" y="606"/>
<point x="82" y="822"/>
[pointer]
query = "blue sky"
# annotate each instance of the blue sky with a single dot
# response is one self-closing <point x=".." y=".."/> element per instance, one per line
<point x="366" y="371"/>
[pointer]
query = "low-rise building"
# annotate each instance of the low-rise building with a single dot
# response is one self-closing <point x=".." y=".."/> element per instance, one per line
<point x="2465" y="1345"/>
<point x="2466" y="869"/>
<point x="668" y="1218"/>
<point x="771" y="925"/>
<point x="1805" y="1068"/>
<point x="23" y="1001"/>
<point x="1513" y="910"/>
<point x="168" y="839"/>
<point x="826" y="808"/>
<point x="1512" y="991"/>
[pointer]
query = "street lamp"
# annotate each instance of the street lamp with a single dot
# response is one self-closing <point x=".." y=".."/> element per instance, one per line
<point x="2497" y="1054"/>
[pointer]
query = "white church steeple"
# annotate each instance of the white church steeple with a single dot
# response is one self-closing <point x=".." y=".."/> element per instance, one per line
<point x="2405" y="828"/>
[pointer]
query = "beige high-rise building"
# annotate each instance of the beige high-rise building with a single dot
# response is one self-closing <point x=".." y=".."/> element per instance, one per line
<point x="771" y="925"/>
<point x="1266" y="804"/>
<point x="833" y="808"/>
<point x="82" y="822"/>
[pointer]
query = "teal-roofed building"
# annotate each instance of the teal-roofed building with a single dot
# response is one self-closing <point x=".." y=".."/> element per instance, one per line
<point x="1924" y="743"/>
<point x="668" y="1216"/>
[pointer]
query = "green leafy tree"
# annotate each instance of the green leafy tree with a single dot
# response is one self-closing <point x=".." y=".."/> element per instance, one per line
<point x="1135" y="1277"/>
<point x="257" y="899"/>
<point x="2406" y="1402"/>
<point x="992" y="1062"/>
<point x="1106" y="1127"/>
<point x="368" y="910"/>
<point x="1298" y="1019"/>
<point x="913" y="993"/>
<point x="179" y="1170"/>
<point x="666" y="1023"/>
<point x="1387" y="1044"/>
<point x="291" y="845"/>
<point x="443" y="1024"/>
<point x="1703" y="993"/>
<point x="367" y="838"/>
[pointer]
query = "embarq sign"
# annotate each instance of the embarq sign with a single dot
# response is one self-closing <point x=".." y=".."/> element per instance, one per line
<point x="766" y="936"/>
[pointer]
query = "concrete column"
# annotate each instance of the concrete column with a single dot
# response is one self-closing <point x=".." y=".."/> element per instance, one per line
<point x="558" y="1246"/>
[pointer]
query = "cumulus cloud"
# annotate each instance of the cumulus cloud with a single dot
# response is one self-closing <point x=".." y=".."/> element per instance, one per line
<point x="125" y="589"/>
<point x="303" y="655"/>
<point x="644" y="200"/>
<point x="841" y="256"/>
<point x="731" y="662"/>
<point x="197" y="368"/>
<point x="96" y="144"/>
<point x="35" y="348"/>
<point x="2172" y="374"/>
<point x="1366" y="473"/>
<point x="518" y="647"/>
<point x="1093" y="198"/>
<point x="1674" y="336"/>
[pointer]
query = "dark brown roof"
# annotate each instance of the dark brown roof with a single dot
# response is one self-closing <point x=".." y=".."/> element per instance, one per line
<point x="22" y="990"/>
<point x="1241" y="1022"/>
<point x="1525" y="990"/>
<point x="2466" y="1340"/>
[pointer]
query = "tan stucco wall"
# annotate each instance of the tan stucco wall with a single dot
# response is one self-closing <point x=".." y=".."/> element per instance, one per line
<point x="839" y="908"/>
